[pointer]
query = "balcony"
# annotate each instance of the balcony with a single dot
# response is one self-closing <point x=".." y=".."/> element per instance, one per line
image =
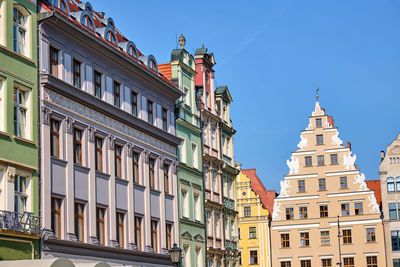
<point x="22" y="222"/>
<point x="229" y="203"/>
<point x="232" y="245"/>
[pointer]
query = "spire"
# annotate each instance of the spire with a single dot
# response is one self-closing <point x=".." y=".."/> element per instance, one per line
<point x="317" y="94"/>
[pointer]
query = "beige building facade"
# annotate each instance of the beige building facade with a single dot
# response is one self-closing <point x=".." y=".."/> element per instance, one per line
<point x="325" y="188"/>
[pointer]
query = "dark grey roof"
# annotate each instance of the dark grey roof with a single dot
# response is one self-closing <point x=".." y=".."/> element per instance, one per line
<point x="176" y="54"/>
<point x="221" y="89"/>
<point x="201" y="51"/>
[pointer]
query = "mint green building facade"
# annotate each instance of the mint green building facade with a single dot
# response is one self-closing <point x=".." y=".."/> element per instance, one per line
<point x="19" y="186"/>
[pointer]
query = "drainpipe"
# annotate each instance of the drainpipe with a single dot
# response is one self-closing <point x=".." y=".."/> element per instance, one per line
<point x="270" y="242"/>
<point x="39" y="137"/>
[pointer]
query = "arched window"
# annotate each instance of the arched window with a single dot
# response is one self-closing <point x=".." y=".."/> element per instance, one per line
<point x="110" y="36"/>
<point x="390" y="160"/>
<point x="398" y="183"/>
<point x="390" y="184"/>
<point x="87" y="22"/>
<point x="61" y="5"/>
<point x="19" y="32"/>
<point x="132" y="51"/>
<point x="153" y="65"/>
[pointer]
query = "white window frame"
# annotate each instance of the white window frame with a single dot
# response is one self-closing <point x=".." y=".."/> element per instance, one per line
<point x="2" y="104"/>
<point x="185" y="203"/>
<point x="27" y="107"/>
<point x="25" y="27"/>
<point x="2" y="22"/>
<point x="28" y="188"/>
<point x="194" y="156"/>
<point x="196" y="200"/>
<point x="213" y="142"/>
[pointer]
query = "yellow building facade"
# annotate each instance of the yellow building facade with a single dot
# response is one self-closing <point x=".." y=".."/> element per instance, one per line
<point x="254" y="206"/>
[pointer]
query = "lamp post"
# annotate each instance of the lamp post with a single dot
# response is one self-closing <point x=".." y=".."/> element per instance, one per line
<point x="175" y="253"/>
<point x="339" y="236"/>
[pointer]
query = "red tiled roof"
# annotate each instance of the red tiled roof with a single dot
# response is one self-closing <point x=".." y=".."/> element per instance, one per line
<point x="376" y="186"/>
<point x="165" y="69"/>
<point x="266" y="196"/>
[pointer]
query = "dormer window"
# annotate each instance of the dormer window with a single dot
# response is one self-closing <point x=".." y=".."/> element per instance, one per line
<point x="153" y="65"/>
<point x="132" y="51"/>
<point x="110" y="36"/>
<point x="87" y="22"/>
<point x="61" y="5"/>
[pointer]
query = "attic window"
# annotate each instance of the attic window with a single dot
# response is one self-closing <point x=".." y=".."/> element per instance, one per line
<point x="153" y="65"/>
<point x="132" y="51"/>
<point x="110" y="36"/>
<point x="87" y="22"/>
<point x="60" y="4"/>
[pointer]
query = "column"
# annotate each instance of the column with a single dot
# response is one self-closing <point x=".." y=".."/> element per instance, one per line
<point x="130" y="219"/>
<point x="161" y="162"/>
<point x="92" y="185"/>
<point x="111" y="186"/>
<point x="147" y="208"/>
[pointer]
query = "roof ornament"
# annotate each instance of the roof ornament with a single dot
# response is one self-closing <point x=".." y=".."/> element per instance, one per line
<point x="317" y="93"/>
<point x="182" y="41"/>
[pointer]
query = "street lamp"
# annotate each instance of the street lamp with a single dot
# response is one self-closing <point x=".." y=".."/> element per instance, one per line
<point x="175" y="253"/>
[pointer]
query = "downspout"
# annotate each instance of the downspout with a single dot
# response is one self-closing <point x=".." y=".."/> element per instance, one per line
<point x="270" y="241"/>
<point x="39" y="137"/>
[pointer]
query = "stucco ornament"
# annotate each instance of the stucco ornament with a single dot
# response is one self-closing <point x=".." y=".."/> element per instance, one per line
<point x="309" y="126"/>
<point x="277" y="211"/>
<point x="336" y="140"/>
<point x="293" y="165"/>
<point x="373" y="206"/>
<point x="284" y="188"/>
<point x="349" y="160"/>
<point x="303" y="142"/>
<point x="317" y="110"/>
<point x="11" y="172"/>
<point x="360" y="181"/>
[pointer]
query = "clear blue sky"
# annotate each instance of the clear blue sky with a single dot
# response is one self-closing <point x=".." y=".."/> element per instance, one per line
<point x="273" y="54"/>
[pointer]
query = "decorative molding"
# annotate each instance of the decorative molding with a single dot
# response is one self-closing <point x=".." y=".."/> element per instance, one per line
<point x="284" y="188"/>
<point x="293" y="165"/>
<point x="295" y="226"/>
<point x="91" y="134"/>
<point x="349" y="160"/>
<point x="69" y="125"/>
<point x="45" y="115"/>
<point x="344" y="223"/>
<point x="11" y="172"/>
<point x="111" y="142"/>
<point x="146" y="155"/>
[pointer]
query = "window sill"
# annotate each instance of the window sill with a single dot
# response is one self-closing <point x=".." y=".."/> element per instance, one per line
<point x="322" y="190"/>
<point x="23" y="140"/>
<point x="302" y="192"/>
<point x="4" y="134"/>
<point x="81" y="166"/>
<point x="24" y="58"/>
<point x="121" y="179"/>
<point x="102" y="173"/>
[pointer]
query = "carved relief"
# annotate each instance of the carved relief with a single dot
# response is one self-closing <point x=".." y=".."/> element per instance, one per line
<point x="284" y="188"/>
<point x="374" y="207"/>
<point x="303" y="142"/>
<point x="146" y="155"/>
<point x="277" y="210"/>
<point x="293" y="165"/>
<point x="360" y="181"/>
<point x="45" y="116"/>
<point x="317" y="110"/>
<point x="69" y="125"/>
<point x="395" y="150"/>
<point x="11" y="172"/>
<point x="111" y="142"/>
<point x="348" y="161"/>
<point x="336" y="140"/>
<point x="91" y="134"/>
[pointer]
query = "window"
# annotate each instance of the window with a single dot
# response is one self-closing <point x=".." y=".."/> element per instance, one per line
<point x="164" y="119"/>
<point x="166" y="178"/>
<point x="56" y="216"/>
<point x="286" y="264"/>
<point x="343" y="182"/>
<point x="318" y="122"/>
<point x="154" y="235"/>
<point x="135" y="160"/>
<point x="285" y="241"/>
<point x="168" y="238"/>
<point x="247" y="211"/>
<point x="320" y="139"/>
<point x="153" y="65"/>
<point x="392" y="211"/>
<point x="53" y="61"/>
<point x="334" y="159"/>
<point x="345" y="209"/>
<point x="208" y="100"/>
<point x="305" y="239"/>
<point x="20" y="196"/>
<point x="217" y="226"/>
<point x="371" y="235"/>
<point x="348" y="262"/>
<point x="213" y="143"/>
<point x="77" y="146"/>
<point x="120" y="229"/>
<point x="305" y="263"/>
<point x="301" y="185"/>
<point x="395" y="240"/>
<point x="252" y="232"/>
<point x="76" y="73"/>
<point x="111" y="37"/>
<point x="325" y="238"/>
<point x="20" y="112"/>
<point x="151" y="173"/>
<point x="60" y="4"/>
<point x="132" y="51"/>
<point x="100" y="223"/>
<point x="390" y="184"/>
<point x="398" y="183"/>
<point x="97" y="84"/>
<point x="197" y="207"/>
<point x="303" y="212"/>
<point x="118" y="165"/>
<point x="326" y="262"/>
<point x="347" y="236"/>
<point x="358" y="208"/>
<point x="199" y="260"/>
<point x="323" y="211"/>
<point x="150" y="112"/>
<point x="289" y="214"/>
<point x="372" y="261"/>
<point x="208" y="224"/>
<point x="79" y="221"/>
<point x="253" y="257"/>
<point x="117" y="94"/>
<point x="19" y="32"/>
<point x="320" y="160"/>
<point x="214" y="181"/>
<point x="308" y="160"/>
<point x="185" y="204"/>
<point x="134" y="104"/>
<point x="55" y="138"/>
<point x="138" y="232"/>
<point x="322" y="184"/>
<point x="87" y="22"/>
<point x="396" y="263"/>
<point x="99" y="154"/>
<point x="194" y="156"/>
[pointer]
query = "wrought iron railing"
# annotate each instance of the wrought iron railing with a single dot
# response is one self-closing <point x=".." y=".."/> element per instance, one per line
<point x="229" y="203"/>
<point x="24" y="222"/>
<point x="230" y="245"/>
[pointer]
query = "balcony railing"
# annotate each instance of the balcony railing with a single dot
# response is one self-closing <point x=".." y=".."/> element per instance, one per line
<point x="229" y="203"/>
<point x="230" y="245"/>
<point x="24" y="222"/>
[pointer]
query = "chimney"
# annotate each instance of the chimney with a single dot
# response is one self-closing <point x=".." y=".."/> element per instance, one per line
<point x="349" y="145"/>
<point x="382" y="155"/>
<point x="331" y="121"/>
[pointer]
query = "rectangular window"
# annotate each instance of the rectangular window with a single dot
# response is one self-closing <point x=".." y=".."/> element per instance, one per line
<point x="253" y="257"/>
<point x="343" y="182"/>
<point x="154" y="235"/>
<point x="286" y="264"/>
<point x="77" y="146"/>
<point x="285" y="241"/>
<point x="164" y="119"/>
<point x="323" y="211"/>
<point x="135" y="160"/>
<point x="308" y="160"/>
<point x="76" y="65"/>
<point x="301" y="185"/>
<point x="345" y="209"/>
<point x="197" y="207"/>
<point x="150" y="112"/>
<point x="100" y="225"/>
<point x="395" y="240"/>
<point x="247" y="211"/>
<point x="53" y="61"/>
<point x="214" y="182"/>
<point x="320" y="139"/>
<point x="334" y="159"/>
<point x="117" y="94"/>
<point x="168" y="239"/>
<point x="138" y="232"/>
<point x="348" y="262"/>
<point x="289" y="214"/>
<point x="134" y="97"/>
<point x="55" y="138"/>
<point x="322" y="184"/>
<point x="194" y="156"/>
<point x="118" y="165"/>
<point x="252" y="232"/>
<point x="213" y="143"/>
<point x="20" y="111"/>
<point x="305" y="239"/>
<point x="56" y="216"/>
<point x="19" y="32"/>
<point x="318" y="122"/>
<point x="185" y="204"/>
<point x="166" y="178"/>
<point x="305" y="263"/>
<point x="79" y="221"/>
<point x="325" y="238"/>
<point x="303" y="213"/>
<point x="151" y="173"/>
<point x="371" y="235"/>
<point x="326" y="262"/>
<point x="358" y="208"/>
<point x="120" y="229"/>
<point x="392" y="211"/>
<point x="97" y="84"/>
<point x="20" y="196"/>
<point x="347" y="236"/>
<point x="320" y="160"/>
<point x="99" y="154"/>
<point x="396" y="263"/>
<point x="372" y="261"/>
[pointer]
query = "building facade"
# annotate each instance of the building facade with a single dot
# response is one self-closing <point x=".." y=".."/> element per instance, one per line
<point x="323" y="182"/>
<point x="19" y="180"/>
<point x="389" y="172"/>
<point x="181" y="70"/>
<point x="255" y="206"/>
<point x="108" y="144"/>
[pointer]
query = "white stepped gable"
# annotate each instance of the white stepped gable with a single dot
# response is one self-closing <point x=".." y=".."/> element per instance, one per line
<point x="359" y="180"/>
<point x="373" y="206"/>
<point x="336" y="140"/>
<point x="284" y="188"/>
<point x="349" y="160"/>
<point x="293" y="165"/>
<point x="303" y="142"/>
<point x="277" y="211"/>
<point x="318" y="111"/>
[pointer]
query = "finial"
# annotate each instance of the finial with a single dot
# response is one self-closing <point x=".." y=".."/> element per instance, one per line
<point x="316" y="93"/>
<point x="202" y="45"/>
<point x="182" y="41"/>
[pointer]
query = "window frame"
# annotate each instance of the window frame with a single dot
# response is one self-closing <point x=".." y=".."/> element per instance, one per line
<point x="253" y="257"/>
<point x="322" y="184"/>
<point x="152" y="163"/>
<point x="138" y="232"/>
<point x="308" y="161"/>
<point x="120" y="228"/>
<point x="303" y="212"/>
<point x="77" y="74"/>
<point x="289" y="213"/>
<point x="134" y="103"/>
<point x="77" y="217"/>
<point x="334" y="159"/>
<point x="304" y="239"/>
<point x="285" y="240"/>
<point x="168" y="237"/>
<point x="247" y="211"/>
<point x="166" y="178"/>
<point x="117" y="94"/>
<point x="154" y="235"/>
<point x="347" y="236"/>
<point x="98" y="150"/>
<point x="18" y="28"/>
<point x="252" y="232"/>
<point x="325" y="238"/>
<point x="301" y="186"/>
<point x="371" y="234"/>
<point x="97" y="84"/>
<point x="100" y="223"/>
<point x="358" y="208"/>
<point x="164" y="117"/>
<point x="54" y="134"/>
<point x="26" y="108"/>
<point x="150" y="110"/>
<point x="323" y="211"/>
<point x="319" y="139"/>
<point x="78" y="147"/>
<point x="21" y="193"/>
<point x="53" y="61"/>
<point x="343" y="182"/>
<point x="345" y="209"/>
<point x="135" y="167"/>
<point x="56" y="213"/>
<point x="118" y="160"/>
